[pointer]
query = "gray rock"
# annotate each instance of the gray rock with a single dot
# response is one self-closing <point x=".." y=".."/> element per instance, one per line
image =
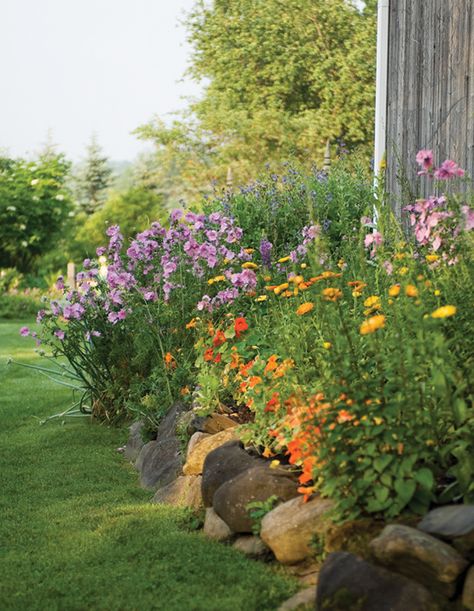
<point x="254" y="484"/>
<point x="349" y="583"/>
<point x="252" y="546"/>
<point x="185" y="491"/>
<point x="160" y="461"/>
<point x="468" y="590"/>
<point x="302" y="599"/>
<point x="419" y="556"/>
<point x="195" y="458"/>
<point x="289" y="529"/>
<point x="135" y="441"/>
<point x="215" y="527"/>
<point x="454" y="523"/>
<point x="221" y="465"/>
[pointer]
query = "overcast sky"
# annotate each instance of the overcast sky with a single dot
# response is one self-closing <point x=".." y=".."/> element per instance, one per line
<point x="81" y="66"/>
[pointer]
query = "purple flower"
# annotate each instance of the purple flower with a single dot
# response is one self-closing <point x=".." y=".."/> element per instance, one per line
<point x="149" y="296"/>
<point x="100" y="251"/>
<point x="468" y="217"/>
<point x="266" y="252"/>
<point x="59" y="333"/>
<point x="424" y="158"/>
<point x="60" y="283"/>
<point x="24" y="331"/>
<point x="176" y="214"/>
<point x="75" y="310"/>
<point x="39" y="317"/>
<point x="86" y="263"/>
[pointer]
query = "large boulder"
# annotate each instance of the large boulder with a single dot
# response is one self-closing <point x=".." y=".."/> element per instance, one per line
<point x="420" y="556"/>
<point x="468" y="590"/>
<point x="257" y="483"/>
<point x="196" y="457"/>
<point x="135" y="441"/>
<point x="290" y="528"/>
<point x="454" y="523"/>
<point x="185" y="491"/>
<point x="349" y="582"/>
<point x="195" y="438"/>
<point x="222" y="464"/>
<point x="160" y="461"/>
<point x="215" y="527"/>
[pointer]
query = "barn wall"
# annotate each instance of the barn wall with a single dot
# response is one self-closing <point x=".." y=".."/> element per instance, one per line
<point x="430" y="90"/>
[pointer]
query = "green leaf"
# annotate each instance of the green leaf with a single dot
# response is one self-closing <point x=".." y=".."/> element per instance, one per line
<point x="382" y="462"/>
<point x="405" y="489"/>
<point x="382" y="493"/>
<point x="460" y="412"/>
<point x="425" y="478"/>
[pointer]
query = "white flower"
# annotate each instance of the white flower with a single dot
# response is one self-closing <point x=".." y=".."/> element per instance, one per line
<point x="11" y="208"/>
<point x="59" y="197"/>
<point x="24" y="243"/>
<point x="34" y="182"/>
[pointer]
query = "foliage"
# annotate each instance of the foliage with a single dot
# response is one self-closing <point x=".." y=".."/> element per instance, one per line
<point x="19" y="304"/>
<point x="34" y="208"/>
<point x="132" y="209"/>
<point x="281" y="79"/>
<point x="258" y="510"/>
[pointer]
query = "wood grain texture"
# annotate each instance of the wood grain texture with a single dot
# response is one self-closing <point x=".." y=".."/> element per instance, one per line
<point x="430" y="91"/>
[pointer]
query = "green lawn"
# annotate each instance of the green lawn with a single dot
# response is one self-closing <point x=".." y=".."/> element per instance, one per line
<point x="76" y="531"/>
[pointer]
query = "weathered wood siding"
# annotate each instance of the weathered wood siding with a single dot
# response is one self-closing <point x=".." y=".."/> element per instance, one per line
<point x="430" y="89"/>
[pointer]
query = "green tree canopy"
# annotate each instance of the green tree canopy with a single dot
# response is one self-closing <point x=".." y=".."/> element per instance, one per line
<point x="94" y="178"/>
<point x="34" y="208"/>
<point x="283" y="76"/>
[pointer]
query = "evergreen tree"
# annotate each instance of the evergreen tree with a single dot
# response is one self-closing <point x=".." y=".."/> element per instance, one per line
<point x="94" y="178"/>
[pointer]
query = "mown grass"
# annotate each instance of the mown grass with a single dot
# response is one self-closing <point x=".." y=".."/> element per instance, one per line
<point x="76" y="531"/>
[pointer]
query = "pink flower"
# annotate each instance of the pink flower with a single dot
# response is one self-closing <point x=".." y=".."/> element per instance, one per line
<point x="24" y="331"/>
<point x="59" y="334"/>
<point x="448" y="169"/>
<point x="424" y="158"/>
<point x="468" y="217"/>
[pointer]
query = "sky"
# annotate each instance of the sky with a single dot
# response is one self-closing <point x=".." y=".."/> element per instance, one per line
<point x="78" y="67"/>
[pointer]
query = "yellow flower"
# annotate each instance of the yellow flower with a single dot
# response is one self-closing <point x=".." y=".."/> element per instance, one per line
<point x="249" y="251"/>
<point x="274" y="464"/>
<point x="437" y="293"/>
<point x="297" y="279"/>
<point x="262" y="298"/>
<point x="444" y="311"/>
<point x="411" y="290"/>
<point x="378" y="420"/>
<point x="372" y="324"/>
<point x="216" y="279"/>
<point x="372" y="302"/>
<point x="304" y="308"/>
<point x="432" y="258"/>
<point x="249" y="265"/>
<point x="403" y="271"/>
<point x="283" y="259"/>
<point x="267" y="278"/>
<point x="304" y="265"/>
<point x="400" y="255"/>
<point x="332" y="294"/>
<point x="394" y="291"/>
<point x="281" y="287"/>
<point x="327" y="345"/>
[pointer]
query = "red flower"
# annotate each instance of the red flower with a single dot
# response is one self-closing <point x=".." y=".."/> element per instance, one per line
<point x="218" y="358"/>
<point x="219" y="339"/>
<point x="240" y="326"/>
<point x="273" y="404"/>
<point x="208" y="354"/>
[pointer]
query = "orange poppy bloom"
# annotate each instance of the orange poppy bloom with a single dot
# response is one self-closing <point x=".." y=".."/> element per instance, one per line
<point x="240" y="326"/>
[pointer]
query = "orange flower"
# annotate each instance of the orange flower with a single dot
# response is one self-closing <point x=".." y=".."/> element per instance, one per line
<point x="372" y="324"/>
<point x="332" y="294"/>
<point x="394" y="291"/>
<point x="234" y="358"/>
<point x="307" y="491"/>
<point x="240" y="326"/>
<point x="411" y="290"/>
<point x="209" y="354"/>
<point x="304" y="308"/>
<point x="191" y="324"/>
<point x="344" y="416"/>
<point x="219" y="339"/>
<point x="217" y="358"/>
<point x="271" y="363"/>
<point x="254" y="380"/>
<point x="184" y="391"/>
<point x="170" y="361"/>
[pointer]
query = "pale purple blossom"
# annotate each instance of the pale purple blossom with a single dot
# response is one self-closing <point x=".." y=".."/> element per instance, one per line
<point x="24" y="331"/>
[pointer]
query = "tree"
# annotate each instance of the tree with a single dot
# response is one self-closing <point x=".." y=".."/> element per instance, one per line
<point x="35" y="204"/>
<point x="94" y="178"/>
<point x="283" y="77"/>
